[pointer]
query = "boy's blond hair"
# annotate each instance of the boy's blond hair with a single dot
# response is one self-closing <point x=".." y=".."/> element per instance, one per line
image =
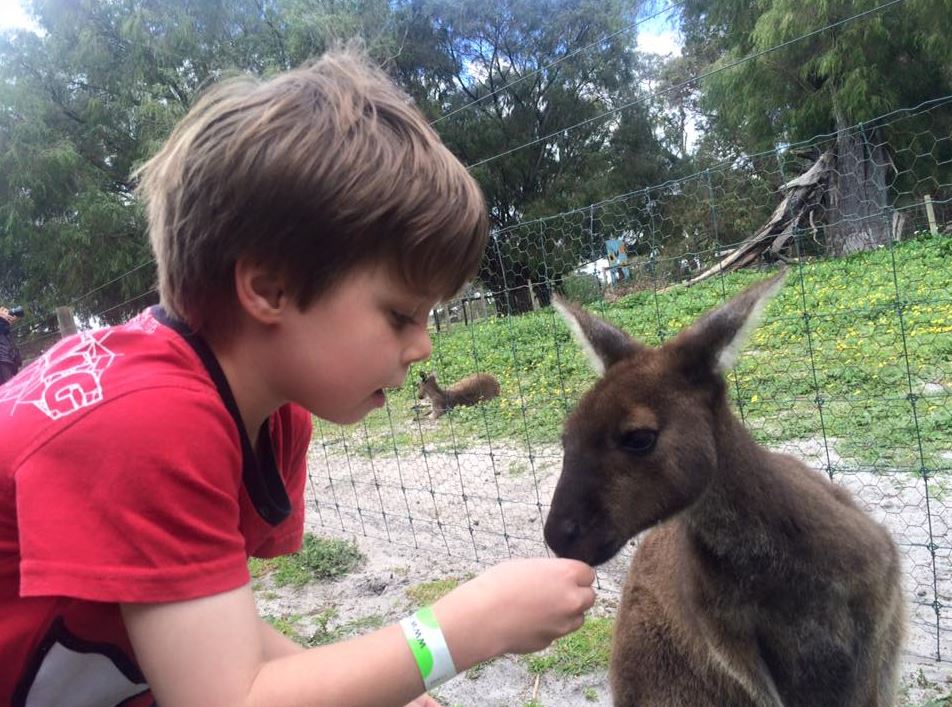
<point x="311" y="173"/>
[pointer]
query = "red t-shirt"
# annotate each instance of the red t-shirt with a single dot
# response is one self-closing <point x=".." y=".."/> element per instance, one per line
<point x="126" y="476"/>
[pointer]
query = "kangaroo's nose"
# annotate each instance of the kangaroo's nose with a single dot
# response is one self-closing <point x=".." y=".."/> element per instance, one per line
<point x="562" y="534"/>
<point x="571" y="530"/>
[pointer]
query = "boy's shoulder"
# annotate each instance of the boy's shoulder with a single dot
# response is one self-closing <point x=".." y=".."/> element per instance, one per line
<point x="144" y="364"/>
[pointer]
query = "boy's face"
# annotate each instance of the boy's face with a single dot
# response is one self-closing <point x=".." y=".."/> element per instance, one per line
<point x="337" y="356"/>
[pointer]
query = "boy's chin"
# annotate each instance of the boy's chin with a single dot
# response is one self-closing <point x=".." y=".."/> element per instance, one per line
<point x="358" y="413"/>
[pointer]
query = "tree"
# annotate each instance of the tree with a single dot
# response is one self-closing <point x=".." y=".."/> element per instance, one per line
<point x="511" y="79"/>
<point x="834" y="79"/>
<point x="93" y="95"/>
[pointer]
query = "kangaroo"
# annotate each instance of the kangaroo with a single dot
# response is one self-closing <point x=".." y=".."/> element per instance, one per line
<point x="759" y="582"/>
<point x="468" y="391"/>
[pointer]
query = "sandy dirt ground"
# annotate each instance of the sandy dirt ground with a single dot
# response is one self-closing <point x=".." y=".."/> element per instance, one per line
<point x="447" y="515"/>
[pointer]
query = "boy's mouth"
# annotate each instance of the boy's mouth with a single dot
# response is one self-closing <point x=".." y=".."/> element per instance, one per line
<point x="380" y="395"/>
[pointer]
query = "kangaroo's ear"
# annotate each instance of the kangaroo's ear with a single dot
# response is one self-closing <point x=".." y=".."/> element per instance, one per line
<point x="713" y="342"/>
<point x="602" y="343"/>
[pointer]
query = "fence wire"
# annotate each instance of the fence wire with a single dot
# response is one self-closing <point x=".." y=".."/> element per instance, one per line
<point x="851" y="370"/>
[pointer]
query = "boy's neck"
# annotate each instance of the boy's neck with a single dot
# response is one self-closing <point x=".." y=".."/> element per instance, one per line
<point x="242" y="368"/>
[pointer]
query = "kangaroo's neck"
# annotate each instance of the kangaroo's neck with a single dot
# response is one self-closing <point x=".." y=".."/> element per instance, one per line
<point x="731" y="521"/>
<point x="435" y="393"/>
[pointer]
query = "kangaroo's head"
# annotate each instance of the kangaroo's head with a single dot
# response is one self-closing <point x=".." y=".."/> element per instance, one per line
<point x="427" y="384"/>
<point x="640" y="445"/>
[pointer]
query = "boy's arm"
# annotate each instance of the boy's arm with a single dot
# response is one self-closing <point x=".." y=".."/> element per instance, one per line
<point x="209" y="652"/>
<point x="275" y="644"/>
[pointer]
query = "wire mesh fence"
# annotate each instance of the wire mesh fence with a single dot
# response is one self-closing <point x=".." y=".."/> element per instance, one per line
<point x="851" y="369"/>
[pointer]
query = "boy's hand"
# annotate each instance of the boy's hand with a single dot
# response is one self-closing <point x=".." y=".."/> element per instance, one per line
<point x="424" y="701"/>
<point x="518" y="606"/>
<point x="6" y="316"/>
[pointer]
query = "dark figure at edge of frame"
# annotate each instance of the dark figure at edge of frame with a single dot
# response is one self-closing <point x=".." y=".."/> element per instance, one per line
<point x="9" y="353"/>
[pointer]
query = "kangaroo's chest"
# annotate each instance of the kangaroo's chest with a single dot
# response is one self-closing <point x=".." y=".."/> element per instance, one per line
<point x="792" y="631"/>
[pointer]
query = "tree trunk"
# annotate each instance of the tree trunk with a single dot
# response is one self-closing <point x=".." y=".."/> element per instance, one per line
<point x="509" y="281"/>
<point x="543" y="292"/>
<point x="518" y="298"/>
<point x="858" y="193"/>
<point x="803" y="196"/>
<point x="509" y="286"/>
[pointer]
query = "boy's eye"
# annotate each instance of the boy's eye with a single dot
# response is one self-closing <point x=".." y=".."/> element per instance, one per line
<point x="400" y="319"/>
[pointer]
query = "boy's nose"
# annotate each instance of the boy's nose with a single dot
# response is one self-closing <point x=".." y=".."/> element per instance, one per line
<point x="421" y="347"/>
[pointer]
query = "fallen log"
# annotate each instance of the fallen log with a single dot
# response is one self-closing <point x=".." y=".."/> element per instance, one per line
<point x="803" y="196"/>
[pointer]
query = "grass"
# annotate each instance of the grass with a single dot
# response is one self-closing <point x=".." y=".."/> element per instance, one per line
<point x="477" y="670"/>
<point x="931" y="688"/>
<point x="856" y="350"/>
<point x="318" y="559"/>
<point x="285" y="624"/>
<point x="585" y="651"/>
<point x="426" y="593"/>
<point x="324" y="633"/>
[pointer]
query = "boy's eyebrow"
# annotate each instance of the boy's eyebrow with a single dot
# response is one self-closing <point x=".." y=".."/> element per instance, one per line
<point x="411" y="301"/>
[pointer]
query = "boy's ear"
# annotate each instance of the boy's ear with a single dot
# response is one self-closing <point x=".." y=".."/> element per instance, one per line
<point x="602" y="343"/>
<point x="260" y="291"/>
<point x="713" y="342"/>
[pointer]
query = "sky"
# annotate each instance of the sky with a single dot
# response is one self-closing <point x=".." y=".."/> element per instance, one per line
<point x="656" y="36"/>
<point x="12" y="15"/>
<point x="664" y="42"/>
<point x="659" y="34"/>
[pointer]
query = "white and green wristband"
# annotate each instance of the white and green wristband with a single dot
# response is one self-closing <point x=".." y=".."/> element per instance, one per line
<point x="429" y="647"/>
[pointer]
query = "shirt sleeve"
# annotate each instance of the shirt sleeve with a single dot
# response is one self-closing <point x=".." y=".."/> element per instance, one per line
<point x="137" y="501"/>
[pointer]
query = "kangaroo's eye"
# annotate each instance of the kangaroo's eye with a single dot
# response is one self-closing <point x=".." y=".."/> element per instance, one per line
<point x="638" y="441"/>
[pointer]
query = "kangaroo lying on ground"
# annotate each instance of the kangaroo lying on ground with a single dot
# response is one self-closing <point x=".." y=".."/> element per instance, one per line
<point x="760" y="583"/>
<point x="468" y="391"/>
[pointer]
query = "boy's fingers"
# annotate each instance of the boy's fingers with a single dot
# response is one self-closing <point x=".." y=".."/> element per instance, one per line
<point x="589" y="598"/>
<point x="583" y="573"/>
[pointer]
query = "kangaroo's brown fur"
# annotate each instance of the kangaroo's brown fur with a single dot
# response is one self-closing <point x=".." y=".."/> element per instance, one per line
<point x="467" y="391"/>
<point x="760" y="582"/>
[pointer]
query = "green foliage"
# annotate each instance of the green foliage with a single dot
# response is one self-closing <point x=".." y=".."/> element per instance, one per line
<point x="428" y="592"/>
<point x="99" y="89"/>
<point x="862" y="69"/>
<point x="324" y="633"/>
<point x="585" y="651"/>
<point x="583" y="289"/>
<point x="945" y="701"/>
<point x="840" y="351"/>
<point x="522" y="44"/>
<point x="287" y="625"/>
<point x="95" y="94"/>
<point x="318" y="559"/>
<point x="477" y="670"/>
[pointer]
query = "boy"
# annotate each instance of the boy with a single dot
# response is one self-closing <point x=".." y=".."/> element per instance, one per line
<point x="303" y="228"/>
